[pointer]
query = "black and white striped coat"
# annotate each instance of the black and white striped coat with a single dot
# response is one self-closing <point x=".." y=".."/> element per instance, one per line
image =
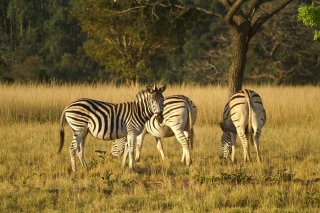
<point x="109" y="121"/>
<point x="179" y="116"/>
<point x="244" y="115"/>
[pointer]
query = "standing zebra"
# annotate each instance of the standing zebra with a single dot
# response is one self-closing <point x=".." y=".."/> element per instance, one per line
<point x="108" y="121"/>
<point x="179" y="116"/>
<point x="244" y="115"/>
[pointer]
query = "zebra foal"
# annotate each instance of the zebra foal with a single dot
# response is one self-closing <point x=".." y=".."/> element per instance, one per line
<point x="244" y="115"/>
<point x="179" y="116"/>
<point x="109" y="121"/>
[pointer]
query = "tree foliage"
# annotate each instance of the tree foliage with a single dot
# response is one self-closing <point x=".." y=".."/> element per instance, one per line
<point x="41" y="41"/>
<point x="177" y="41"/>
<point x="134" y="40"/>
<point x="286" y="54"/>
<point x="310" y="16"/>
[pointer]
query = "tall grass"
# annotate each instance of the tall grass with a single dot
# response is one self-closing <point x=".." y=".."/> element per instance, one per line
<point x="33" y="178"/>
<point x="45" y="103"/>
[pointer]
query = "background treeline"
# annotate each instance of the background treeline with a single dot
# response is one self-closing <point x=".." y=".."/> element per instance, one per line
<point x="101" y="40"/>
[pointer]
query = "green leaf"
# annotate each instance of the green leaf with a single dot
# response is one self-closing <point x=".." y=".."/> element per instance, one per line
<point x="310" y="16"/>
<point x="316" y="34"/>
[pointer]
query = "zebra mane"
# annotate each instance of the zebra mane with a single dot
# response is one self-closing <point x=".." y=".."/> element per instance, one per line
<point x="142" y="95"/>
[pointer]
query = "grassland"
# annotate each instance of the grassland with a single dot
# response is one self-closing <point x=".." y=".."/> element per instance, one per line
<point x="34" y="178"/>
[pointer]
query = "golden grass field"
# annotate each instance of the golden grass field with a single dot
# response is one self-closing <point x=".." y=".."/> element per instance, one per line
<point x="33" y="178"/>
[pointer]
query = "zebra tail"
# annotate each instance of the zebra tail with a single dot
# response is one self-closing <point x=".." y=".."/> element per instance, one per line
<point x="61" y="131"/>
<point x="190" y="123"/>
<point x="250" y="117"/>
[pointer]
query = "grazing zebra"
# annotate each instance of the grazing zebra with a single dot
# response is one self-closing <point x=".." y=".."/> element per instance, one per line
<point x="244" y="115"/>
<point x="108" y="121"/>
<point x="179" y="116"/>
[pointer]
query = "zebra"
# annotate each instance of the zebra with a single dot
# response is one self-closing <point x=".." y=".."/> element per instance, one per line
<point x="108" y="121"/>
<point x="179" y="116"/>
<point x="244" y="115"/>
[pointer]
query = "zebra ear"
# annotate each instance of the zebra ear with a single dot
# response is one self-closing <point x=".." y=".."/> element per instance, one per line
<point x="149" y="88"/>
<point x="154" y="86"/>
<point x="163" y="88"/>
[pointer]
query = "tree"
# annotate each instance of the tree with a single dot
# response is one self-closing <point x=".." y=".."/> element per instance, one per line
<point x="128" y="38"/>
<point x="271" y="54"/>
<point x="310" y="16"/>
<point x="139" y="40"/>
<point x="62" y="49"/>
<point x="244" y="19"/>
<point x="39" y="41"/>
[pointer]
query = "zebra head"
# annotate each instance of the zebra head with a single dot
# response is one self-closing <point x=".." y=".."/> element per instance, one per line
<point x="226" y="139"/>
<point x="226" y="145"/>
<point x="118" y="146"/>
<point x="155" y="101"/>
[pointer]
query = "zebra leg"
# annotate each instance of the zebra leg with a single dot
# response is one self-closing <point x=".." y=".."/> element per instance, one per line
<point x="256" y="138"/>
<point x="131" y="138"/>
<point x="233" y="146"/>
<point x="190" y="146"/>
<point x="159" y="146"/>
<point x="245" y="145"/>
<point x="73" y="149"/>
<point x="81" y="144"/>
<point x="125" y="155"/>
<point x="140" y="139"/>
<point x="185" y="148"/>
<point x="186" y="134"/>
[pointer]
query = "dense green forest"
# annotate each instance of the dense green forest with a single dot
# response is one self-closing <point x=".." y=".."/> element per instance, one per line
<point x="119" y="41"/>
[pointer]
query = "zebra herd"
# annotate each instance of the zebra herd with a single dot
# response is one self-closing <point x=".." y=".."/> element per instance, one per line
<point x="127" y="124"/>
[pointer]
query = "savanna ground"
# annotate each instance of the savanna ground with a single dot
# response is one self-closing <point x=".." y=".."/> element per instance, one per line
<point x="34" y="178"/>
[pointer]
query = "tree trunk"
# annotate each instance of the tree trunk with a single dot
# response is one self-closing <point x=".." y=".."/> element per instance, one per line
<point x="239" y="54"/>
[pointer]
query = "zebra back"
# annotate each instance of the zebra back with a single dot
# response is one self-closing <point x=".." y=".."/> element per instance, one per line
<point x="175" y="107"/>
<point x="242" y="99"/>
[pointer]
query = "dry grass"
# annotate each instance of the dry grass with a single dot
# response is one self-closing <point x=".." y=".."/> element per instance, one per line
<point x="44" y="103"/>
<point x="34" y="178"/>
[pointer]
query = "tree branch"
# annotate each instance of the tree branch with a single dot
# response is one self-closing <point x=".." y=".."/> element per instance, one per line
<point x="165" y="5"/>
<point x="253" y="5"/>
<point x="262" y="75"/>
<point x="189" y="7"/>
<point x="231" y="12"/>
<point x="130" y="9"/>
<point x="263" y="18"/>
<point x="209" y="12"/>
<point x="274" y="49"/>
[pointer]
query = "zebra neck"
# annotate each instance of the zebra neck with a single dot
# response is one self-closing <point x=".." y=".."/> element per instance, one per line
<point x="142" y="110"/>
